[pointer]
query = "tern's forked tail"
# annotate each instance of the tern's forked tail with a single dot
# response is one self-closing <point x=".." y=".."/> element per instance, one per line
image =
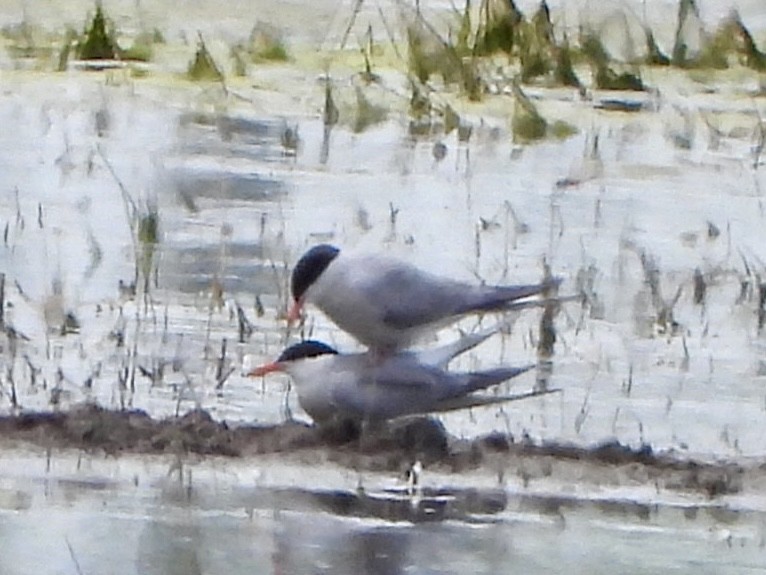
<point x="497" y="298"/>
<point x="484" y="379"/>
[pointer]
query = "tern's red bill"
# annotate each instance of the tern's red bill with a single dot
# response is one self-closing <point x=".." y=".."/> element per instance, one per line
<point x="264" y="369"/>
<point x="294" y="314"/>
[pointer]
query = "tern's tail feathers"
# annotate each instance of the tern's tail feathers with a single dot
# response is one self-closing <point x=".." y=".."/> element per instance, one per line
<point x="501" y="297"/>
<point x="441" y="356"/>
<point x="544" y="302"/>
<point x="484" y="379"/>
<point x="470" y="401"/>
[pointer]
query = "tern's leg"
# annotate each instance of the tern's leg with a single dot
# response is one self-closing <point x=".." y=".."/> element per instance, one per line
<point x="370" y="433"/>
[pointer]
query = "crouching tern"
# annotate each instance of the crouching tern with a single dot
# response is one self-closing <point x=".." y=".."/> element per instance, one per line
<point x="387" y="304"/>
<point x="333" y="387"/>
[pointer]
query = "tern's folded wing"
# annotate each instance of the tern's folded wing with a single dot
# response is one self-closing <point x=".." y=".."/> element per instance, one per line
<point x="474" y="400"/>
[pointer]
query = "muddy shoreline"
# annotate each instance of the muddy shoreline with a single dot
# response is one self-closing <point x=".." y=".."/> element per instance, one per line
<point x="96" y="430"/>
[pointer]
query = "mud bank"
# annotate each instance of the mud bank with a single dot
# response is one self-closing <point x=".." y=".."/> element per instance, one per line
<point x="396" y="449"/>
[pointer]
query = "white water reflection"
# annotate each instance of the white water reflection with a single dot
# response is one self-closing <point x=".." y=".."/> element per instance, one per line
<point x="229" y="517"/>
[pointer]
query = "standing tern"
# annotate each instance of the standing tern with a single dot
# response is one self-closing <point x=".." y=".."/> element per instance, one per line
<point x="335" y="387"/>
<point x="387" y="304"/>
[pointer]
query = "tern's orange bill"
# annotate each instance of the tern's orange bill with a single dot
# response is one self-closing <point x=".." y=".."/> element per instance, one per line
<point x="264" y="369"/>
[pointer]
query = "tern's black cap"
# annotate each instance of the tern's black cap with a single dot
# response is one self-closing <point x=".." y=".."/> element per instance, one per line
<point x="304" y="349"/>
<point x="310" y="267"/>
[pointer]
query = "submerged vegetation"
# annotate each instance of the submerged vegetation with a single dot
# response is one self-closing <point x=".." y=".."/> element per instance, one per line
<point x="488" y="45"/>
<point x="267" y="44"/>
<point x="96" y="42"/>
<point x="203" y="67"/>
<point x="99" y="39"/>
<point x="498" y="29"/>
<point x="531" y="43"/>
<point x="27" y="41"/>
<point x="528" y="125"/>
<point x="731" y="43"/>
<point x="430" y="55"/>
<point x="606" y="78"/>
<point x="536" y="54"/>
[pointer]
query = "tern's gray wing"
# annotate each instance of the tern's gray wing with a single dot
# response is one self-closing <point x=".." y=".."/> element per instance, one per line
<point x="401" y="388"/>
<point x="469" y="401"/>
<point x="422" y="299"/>
<point x="409" y="298"/>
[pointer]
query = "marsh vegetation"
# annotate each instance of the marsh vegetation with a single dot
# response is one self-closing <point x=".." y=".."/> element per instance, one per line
<point x="153" y="203"/>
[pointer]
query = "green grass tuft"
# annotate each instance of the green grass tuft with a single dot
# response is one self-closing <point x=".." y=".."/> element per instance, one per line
<point x="562" y="130"/>
<point x="99" y="43"/>
<point x="654" y="56"/>
<point x="138" y="53"/>
<point x="606" y="78"/>
<point x="203" y="67"/>
<point x="266" y="44"/>
<point x="498" y="31"/>
<point x="527" y="124"/>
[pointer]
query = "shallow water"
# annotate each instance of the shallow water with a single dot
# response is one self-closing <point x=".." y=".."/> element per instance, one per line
<point x="237" y="207"/>
<point x="236" y="217"/>
<point x="148" y="515"/>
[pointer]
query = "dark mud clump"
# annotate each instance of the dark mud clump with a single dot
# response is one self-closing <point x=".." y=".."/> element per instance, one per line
<point x="93" y="428"/>
<point x="395" y="447"/>
<point x="712" y="479"/>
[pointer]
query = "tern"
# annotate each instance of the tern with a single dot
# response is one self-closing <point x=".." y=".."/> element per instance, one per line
<point x="334" y="387"/>
<point x="387" y="304"/>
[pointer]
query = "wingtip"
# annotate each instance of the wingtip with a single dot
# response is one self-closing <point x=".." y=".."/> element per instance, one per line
<point x="517" y="371"/>
<point x="481" y="400"/>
